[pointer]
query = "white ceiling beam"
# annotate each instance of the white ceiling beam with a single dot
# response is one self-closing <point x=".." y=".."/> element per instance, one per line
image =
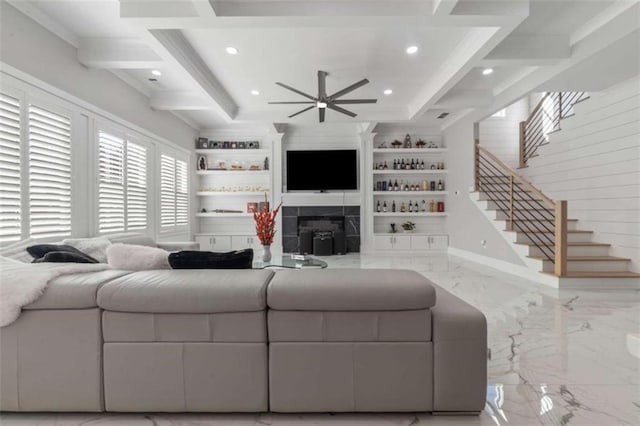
<point x="117" y="53"/>
<point x="601" y="19"/>
<point x="443" y="7"/>
<point x="170" y="100"/>
<point x="530" y="50"/>
<point x="461" y="98"/>
<point x="181" y="53"/>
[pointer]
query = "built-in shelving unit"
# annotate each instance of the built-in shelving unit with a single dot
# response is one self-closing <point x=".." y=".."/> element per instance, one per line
<point x="430" y="232"/>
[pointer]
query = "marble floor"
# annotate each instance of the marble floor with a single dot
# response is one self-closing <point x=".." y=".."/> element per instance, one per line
<point x="555" y="358"/>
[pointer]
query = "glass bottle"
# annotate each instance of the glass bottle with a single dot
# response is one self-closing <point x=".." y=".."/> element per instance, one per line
<point x="384" y="207"/>
<point x="403" y="208"/>
<point x="402" y="165"/>
<point x="440" y="185"/>
<point x="384" y="167"/>
<point x="422" y="165"/>
<point x="432" y="206"/>
<point x="393" y="206"/>
<point x="395" y="165"/>
<point x="424" y="206"/>
<point x="378" y="207"/>
<point x="395" y="185"/>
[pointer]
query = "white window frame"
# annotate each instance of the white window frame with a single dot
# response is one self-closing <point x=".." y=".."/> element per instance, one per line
<point x="178" y="156"/>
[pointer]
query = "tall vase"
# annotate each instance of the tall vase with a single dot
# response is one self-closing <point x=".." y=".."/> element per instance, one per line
<point x="266" y="255"/>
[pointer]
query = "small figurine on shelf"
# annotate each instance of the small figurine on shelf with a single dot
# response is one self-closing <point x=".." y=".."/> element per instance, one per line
<point x="203" y="210"/>
<point x="396" y="144"/>
<point x="393" y="228"/>
<point x="420" y="143"/>
<point x="202" y="162"/>
<point x="266" y="163"/>
<point x="407" y="141"/>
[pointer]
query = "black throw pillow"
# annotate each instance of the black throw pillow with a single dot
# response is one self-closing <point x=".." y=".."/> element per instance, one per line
<point x="65" y="256"/>
<point x="240" y="259"/>
<point x="40" y="250"/>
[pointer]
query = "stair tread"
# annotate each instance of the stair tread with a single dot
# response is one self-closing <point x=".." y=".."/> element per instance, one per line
<point x="570" y="231"/>
<point x="577" y="243"/>
<point x="597" y="274"/>
<point x="588" y="258"/>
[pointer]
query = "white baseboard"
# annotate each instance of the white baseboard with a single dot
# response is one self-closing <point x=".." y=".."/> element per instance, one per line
<point x="506" y="267"/>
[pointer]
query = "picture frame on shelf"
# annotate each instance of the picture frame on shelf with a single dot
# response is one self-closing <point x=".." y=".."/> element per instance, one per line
<point x="226" y="145"/>
<point x="202" y="143"/>
<point x="202" y="162"/>
<point x="252" y="207"/>
<point x="253" y="145"/>
<point x="242" y="145"/>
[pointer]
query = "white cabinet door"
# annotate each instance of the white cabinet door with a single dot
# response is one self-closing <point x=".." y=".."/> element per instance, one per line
<point x="239" y="242"/>
<point x="420" y="242"/>
<point x="383" y="242"/>
<point x="402" y="242"/>
<point x="439" y="242"/>
<point x="221" y="243"/>
<point x="205" y="242"/>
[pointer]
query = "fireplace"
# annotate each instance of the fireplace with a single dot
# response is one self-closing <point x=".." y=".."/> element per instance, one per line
<point x="341" y="222"/>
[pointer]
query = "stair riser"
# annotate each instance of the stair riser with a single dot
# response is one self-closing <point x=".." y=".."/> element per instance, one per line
<point x="591" y="266"/>
<point x="571" y="237"/>
<point x="575" y="251"/>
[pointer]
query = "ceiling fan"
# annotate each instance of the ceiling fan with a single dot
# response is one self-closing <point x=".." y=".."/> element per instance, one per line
<point x="322" y="101"/>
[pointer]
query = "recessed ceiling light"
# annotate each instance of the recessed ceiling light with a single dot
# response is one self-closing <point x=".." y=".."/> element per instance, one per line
<point x="255" y="92"/>
<point x="232" y="50"/>
<point x="412" y="49"/>
<point x="487" y="71"/>
<point x="388" y="92"/>
<point x="156" y="72"/>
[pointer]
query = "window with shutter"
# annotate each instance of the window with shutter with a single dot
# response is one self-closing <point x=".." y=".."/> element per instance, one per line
<point x="49" y="173"/>
<point x="10" y="212"/>
<point x="174" y="196"/>
<point x="122" y="187"/>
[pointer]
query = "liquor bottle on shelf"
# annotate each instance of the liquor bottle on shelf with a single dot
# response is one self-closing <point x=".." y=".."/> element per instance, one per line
<point x="406" y="186"/>
<point x="384" y="185"/>
<point x="395" y="185"/>
<point x="395" y="165"/>
<point x="440" y="206"/>
<point x="432" y="206"/>
<point x="384" y="167"/>
<point x="432" y="185"/>
<point x="410" y="207"/>
<point x="407" y="165"/>
<point x="389" y="186"/>
<point x="425" y="185"/>
<point x="393" y="206"/>
<point x="433" y="166"/>
<point x="378" y="207"/>
<point x="422" y="165"/>
<point x="424" y="206"/>
<point x="384" y="207"/>
<point x="401" y="185"/>
<point x="413" y="164"/>
<point x="402" y="165"/>
<point x="403" y="208"/>
<point x="440" y="185"/>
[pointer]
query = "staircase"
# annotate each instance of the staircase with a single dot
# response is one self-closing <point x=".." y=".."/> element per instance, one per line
<point x="540" y="231"/>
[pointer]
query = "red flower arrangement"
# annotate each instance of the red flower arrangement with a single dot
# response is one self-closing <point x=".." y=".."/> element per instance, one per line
<point x="266" y="224"/>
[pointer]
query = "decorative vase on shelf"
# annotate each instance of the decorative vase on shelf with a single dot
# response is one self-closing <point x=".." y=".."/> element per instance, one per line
<point x="266" y="254"/>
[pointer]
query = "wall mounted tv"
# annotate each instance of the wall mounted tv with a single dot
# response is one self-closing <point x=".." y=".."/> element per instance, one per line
<point x="322" y="170"/>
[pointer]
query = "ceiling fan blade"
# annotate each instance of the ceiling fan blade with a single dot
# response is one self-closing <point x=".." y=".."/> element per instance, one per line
<point x="291" y="103"/>
<point x="321" y="114"/>
<point x="322" y="84"/>
<point x="354" y="101"/>
<point x="351" y="88"/>
<point x="306" y="95"/>
<point x="342" y="110"/>
<point x="301" y="111"/>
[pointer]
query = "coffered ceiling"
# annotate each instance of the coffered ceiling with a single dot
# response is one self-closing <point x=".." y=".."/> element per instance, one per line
<point x="290" y="40"/>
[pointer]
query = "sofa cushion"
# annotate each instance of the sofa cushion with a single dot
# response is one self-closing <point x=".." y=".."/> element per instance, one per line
<point x="65" y="257"/>
<point x="350" y="290"/>
<point x="75" y="291"/>
<point x="131" y="257"/>
<point x="357" y="326"/>
<point x="41" y="250"/>
<point x="238" y="259"/>
<point x="187" y="291"/>
<point x="95" y="247"/>
<point x="228" y="327"/>
<point x="18" y="251"/>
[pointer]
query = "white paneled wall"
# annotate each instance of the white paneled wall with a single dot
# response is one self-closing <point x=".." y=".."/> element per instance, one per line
<point x="594" y="163"/>
<point x="501" y="135"/>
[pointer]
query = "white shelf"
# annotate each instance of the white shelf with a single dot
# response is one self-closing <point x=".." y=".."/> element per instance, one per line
<point x="243" y="152"/>
<point x="420" y="234"/>
<point x="231" y="193"/>
<point x="407" y="214"/>
<point x="409" y="172"/>
<point x="233" y="172"/>
<point x="409" y="193"/>
<point x="213" y="214"/>
<point x="409" y="150"/>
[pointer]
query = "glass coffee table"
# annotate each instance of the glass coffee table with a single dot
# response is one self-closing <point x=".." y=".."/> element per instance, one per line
<point x="290" y="261"/>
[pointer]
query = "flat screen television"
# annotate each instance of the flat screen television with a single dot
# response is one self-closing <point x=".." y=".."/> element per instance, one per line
<point x="322" y="170"/>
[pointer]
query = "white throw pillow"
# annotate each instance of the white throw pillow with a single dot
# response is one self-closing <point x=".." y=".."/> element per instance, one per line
<point x="18" y="251"/>
<point x="130" y="257"/>
<point x="95" y="247"/>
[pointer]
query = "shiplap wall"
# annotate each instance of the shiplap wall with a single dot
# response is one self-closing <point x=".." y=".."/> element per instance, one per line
<point x="594" y="163"/>
<point x="501" y="135"/>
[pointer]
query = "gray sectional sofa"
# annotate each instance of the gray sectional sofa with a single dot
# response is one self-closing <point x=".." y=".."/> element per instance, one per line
<point x="245" y="341"/>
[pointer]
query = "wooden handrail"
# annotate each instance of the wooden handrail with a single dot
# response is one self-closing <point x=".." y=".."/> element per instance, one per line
<point x="509" y="171"/>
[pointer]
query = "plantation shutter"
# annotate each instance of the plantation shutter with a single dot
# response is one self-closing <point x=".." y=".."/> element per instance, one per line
<point x="49" y="173"/>
<point x="111" y="183"/>
<point x="136" y="186"/>
<point x="167" y="191"/>
<point x="182" y="196"/>
<point x="10" y="212"/>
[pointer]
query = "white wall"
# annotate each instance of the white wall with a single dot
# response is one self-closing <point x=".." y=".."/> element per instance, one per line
<point x="467" y="225"/>
<point x="594" y="163"/>
<point x="34" y="50"/>
<point x="501" y="135"/>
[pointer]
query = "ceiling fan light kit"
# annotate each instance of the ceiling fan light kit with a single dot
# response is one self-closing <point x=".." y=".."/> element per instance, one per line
<point x="322" y="101"/>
